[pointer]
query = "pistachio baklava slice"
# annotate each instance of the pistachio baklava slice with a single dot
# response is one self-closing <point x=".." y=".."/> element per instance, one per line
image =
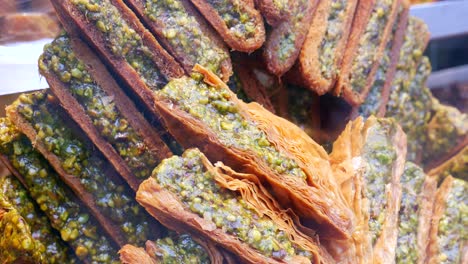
<point x="227" y="208"/>
<point x="368" y="160"/>
<point x="185" y="34"/>
<point x="82" y="168"/>
<point x="238" y="23"/>
<point x="118" y="36"/>
<point x="66" y="213"/>
<point x="26" y="234"/>
<point x="449" y="236"/>
<point x="447" y="134"/>
<point x="385" y="73"/>
<point x="370" y="30"/>
<point x="285" y="40"/>
<point x="251" y="139"/>
<point x="318" y="65"/>
<point x="409" y="58"/>
<point x="173" y="249"/>
<point x="417" y="199"/>
<point x="94" y="100"/>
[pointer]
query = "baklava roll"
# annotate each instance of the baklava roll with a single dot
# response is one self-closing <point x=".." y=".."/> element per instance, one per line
<point x="238" y="23"/>
<point x="117" y="35"/>
<point x="385" y="73"/>
<point x="318" y="65"/>
<point x="284" y="41"/>
<point x="25" y="233"/>
<point x="370" y="30"/>
<point x="185" y="34"/>
<point x="207" y="115"/>
<point x="82" y="168"/>
<point x="448" y="236"/>
<point x="228" y="208"/>
<point x="97" y="104"/>
<point x="368" y="159"/>
<point x="410" y="56"/>
<point x="63" y="209"/>
<point x="173" y="248"/>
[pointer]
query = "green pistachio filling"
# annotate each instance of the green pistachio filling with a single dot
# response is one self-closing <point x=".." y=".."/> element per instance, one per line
<point x="185" y="35"/>
<point x="76" y="158"/>
<point x="17" y="244"/>
<point x="415" y="109"/>
<point x="59" y="58"/>
<point x="410" y="54"/>
<point x="411" y="181"/>
<point x="214" y="107"/>
<point x="410" y="101"/>
<point x="331" y="38"/>
<point x="372" y="103"/>
<point x="446" y="128"/>
<point x="176" y="249"/>
<point x="47" y="243"/>
<point x="188" y="178"/>
<point x="75" y="225"/>
<point x="281" y="5"/>
<point x="121" y="39"/>
<point x="452" y="226"/>
<point x="234" y="14"/>
<point x="379" y="156"/>
<point x="368" y="45"/>
<point x="287" y="41"/>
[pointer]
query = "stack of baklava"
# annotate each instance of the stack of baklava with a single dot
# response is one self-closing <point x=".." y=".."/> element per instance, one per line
<point x="158" y="143"/>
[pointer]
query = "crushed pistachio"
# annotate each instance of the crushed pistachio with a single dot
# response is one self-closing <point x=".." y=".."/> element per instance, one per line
<point x="213" y="107"/>
<point x="77" y="159"/>
<point x="372" y="102"/>
<point x="379" y="155"/>
<point x="17" y="244"/>
<point x="410" y="100"/>
<point x="331" y="38"/>
<point x="411" y="181"/>
<point x="194" y="185"/>
<point x="122" y="40"/>
<point x="368" y="45"/>
<point x="46" y="241"/>
<point x="452" y="226"/>
<point x="287" y="45"/>
<point x="175" y="249"/>
<point x="59" y="58"/>
<point x="75" y="225"/>
<point x="185" y="35"/>
<point x="238" y="21"/>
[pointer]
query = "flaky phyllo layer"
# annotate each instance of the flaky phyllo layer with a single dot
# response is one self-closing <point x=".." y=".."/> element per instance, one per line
<point x="229" y="208"/>
<point x="250" y="139"/>
<point x="368" y="161"/>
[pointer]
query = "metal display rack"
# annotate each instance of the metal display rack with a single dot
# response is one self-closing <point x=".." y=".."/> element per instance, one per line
<point x="447" y="19"/>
